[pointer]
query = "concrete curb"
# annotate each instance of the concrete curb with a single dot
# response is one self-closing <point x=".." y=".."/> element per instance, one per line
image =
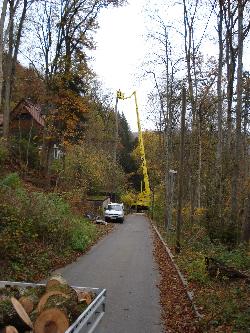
<point x="190" y="293"/>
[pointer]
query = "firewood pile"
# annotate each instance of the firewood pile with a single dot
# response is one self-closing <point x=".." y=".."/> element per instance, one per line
<point x="51" y="308"/>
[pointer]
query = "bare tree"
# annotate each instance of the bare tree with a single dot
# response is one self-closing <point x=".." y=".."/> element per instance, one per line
<point x="63" y="30"/>
<point x="14" y="39"/>
<point x="219" y="105"/>
<point x="238" y="148"/>
<point x="181" y="173"/>
<point x="192" y="89"/>
<point x="2" y="21"/>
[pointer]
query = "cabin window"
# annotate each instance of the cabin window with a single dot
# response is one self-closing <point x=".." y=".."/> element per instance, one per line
<point x="23" y="116"/>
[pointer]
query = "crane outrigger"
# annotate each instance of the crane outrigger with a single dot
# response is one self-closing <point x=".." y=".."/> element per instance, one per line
<point x="143" y="199"/>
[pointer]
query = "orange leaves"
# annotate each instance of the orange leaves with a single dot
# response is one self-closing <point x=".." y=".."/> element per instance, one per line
<point x="67" y="119"/>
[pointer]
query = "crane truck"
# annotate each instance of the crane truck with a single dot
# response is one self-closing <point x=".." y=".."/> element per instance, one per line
<point x="143" y="199"/>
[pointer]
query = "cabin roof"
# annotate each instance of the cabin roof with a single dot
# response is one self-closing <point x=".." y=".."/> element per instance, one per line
<point x="33" y="109"/>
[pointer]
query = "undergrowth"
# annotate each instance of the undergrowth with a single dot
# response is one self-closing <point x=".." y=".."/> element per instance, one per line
<point x="37" y="231"/>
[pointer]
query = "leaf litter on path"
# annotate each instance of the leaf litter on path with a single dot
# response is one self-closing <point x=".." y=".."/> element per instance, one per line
<point x="177" y="313"/>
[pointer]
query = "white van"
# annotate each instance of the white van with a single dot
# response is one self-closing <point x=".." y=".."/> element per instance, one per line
<point x="114" y="212"/>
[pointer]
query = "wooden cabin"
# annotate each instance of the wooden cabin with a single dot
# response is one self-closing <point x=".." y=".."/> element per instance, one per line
<point x="25" y="120"/>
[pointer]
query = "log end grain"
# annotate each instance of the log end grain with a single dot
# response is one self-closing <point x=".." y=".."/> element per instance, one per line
<point x="9" y="329"/>
<point x="51" y="320"/>
<point x="27" y="304"/>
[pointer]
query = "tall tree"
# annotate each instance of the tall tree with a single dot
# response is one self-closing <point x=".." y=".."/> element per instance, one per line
<point x="189" y="19"/>
<point x="14" y="39"/>
<point x="238" y="148"/>
<point x="2" y="21"/>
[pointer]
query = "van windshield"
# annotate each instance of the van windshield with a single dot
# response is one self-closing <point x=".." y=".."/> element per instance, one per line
<point x="115" y="207"/>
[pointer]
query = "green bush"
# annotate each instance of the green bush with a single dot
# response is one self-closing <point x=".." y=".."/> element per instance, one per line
<point x="50" y="215"/>
<point x="12" y="181"/>
<point x="83" y="233"/>
<point x="196" y="270"/>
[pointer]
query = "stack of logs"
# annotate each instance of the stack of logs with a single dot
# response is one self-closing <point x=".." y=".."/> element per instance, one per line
<point x="41" y="309"/>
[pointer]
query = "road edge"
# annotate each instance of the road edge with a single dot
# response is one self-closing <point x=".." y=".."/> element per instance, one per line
<point x="190" y="293"/>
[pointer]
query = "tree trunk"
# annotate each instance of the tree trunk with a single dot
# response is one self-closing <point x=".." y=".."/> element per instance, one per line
<point x="181" y="173"/>
<point x="2" y="20"/>
<point x="245" y="234"/>
<point x="219" y="113"/>
<point x="230" y="61"/>
<point x="12" y="60"/>
<point x="237" y="150"/>
<point x="190" y="62"/>
<point x="6" y="111"/>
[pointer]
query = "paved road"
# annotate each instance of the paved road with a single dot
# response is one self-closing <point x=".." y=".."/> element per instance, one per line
<point x="123" y="263"/>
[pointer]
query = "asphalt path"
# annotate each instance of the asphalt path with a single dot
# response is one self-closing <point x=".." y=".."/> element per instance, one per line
<point x="123" y="263"/>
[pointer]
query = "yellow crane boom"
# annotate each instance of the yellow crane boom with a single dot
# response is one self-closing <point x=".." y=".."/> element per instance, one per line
<point x="144" y="197"/>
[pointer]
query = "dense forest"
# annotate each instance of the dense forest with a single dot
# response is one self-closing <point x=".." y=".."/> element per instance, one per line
<point x="65" y="148"/>
<point x="198" y="159"/>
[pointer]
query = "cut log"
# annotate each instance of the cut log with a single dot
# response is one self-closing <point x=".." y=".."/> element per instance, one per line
<point x="69" y="307"/>
<point x="46" y="296"/>
<point x="21" y="312"/>
<point x="51" y="320"/>
<point x="85" y="296"/>
<point x="27" y="303"/>
<point x="58" y="283"/>
<point x="9" y="329"/>
<point x="55" y="280"/>
<point x="13" y="313"/>
<point x="30" y="297"/>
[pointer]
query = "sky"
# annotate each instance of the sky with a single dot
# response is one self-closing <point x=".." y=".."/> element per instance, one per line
<point x="122" y="46"/>
<point x="120" y="51"/>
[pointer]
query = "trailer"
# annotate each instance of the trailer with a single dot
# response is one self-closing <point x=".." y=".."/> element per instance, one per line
<point x="91" y="316"/>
